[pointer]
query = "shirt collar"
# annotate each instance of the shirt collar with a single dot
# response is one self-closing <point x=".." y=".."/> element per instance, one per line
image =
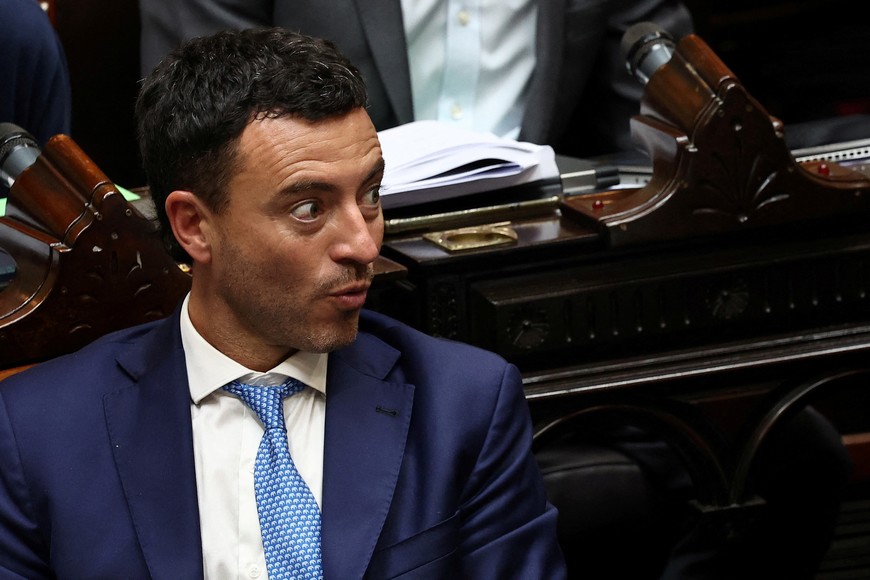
<point x="208" y="369"/>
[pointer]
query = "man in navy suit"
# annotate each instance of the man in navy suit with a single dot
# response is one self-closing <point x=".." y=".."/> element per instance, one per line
<point x="128" y="459"/>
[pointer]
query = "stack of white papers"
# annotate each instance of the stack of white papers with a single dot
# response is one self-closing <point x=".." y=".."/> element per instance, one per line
<point x="429" y="161"/>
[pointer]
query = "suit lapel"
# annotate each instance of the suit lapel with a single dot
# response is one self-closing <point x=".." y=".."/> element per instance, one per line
<point x="148" y="421"/>
<point x="152" y="442"/>
<point x="380" y="19"/>
<point x="538" y="118"/>
<point x="367" y="420"/>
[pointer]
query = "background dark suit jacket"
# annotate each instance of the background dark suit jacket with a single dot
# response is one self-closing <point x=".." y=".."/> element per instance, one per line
<point x="35" y="91"/>
<point x="581" y="95"/>
<point x="427" y="463"/>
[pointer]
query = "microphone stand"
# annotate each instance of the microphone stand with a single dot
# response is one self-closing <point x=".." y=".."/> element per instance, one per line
<point x="720" y="164"/>
<point x="87" y="262"/>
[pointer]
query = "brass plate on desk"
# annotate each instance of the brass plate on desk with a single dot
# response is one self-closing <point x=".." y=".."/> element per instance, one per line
<point x="474" y="237"/>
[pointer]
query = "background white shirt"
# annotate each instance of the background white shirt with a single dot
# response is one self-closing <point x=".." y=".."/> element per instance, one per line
<point x="226" y="436"/>
<point x="471" y="61"/>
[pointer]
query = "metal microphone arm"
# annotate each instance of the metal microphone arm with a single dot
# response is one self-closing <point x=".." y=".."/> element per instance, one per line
<point x="646" y="47"/>
<point x="18" y="151"/>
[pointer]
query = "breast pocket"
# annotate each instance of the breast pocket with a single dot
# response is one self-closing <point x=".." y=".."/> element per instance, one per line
<point x="433" y="553"/>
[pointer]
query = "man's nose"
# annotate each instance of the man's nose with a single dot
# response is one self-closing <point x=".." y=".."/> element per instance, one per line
<point x="359" y="239"/>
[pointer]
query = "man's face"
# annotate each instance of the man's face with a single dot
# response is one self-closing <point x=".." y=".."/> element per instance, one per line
<point x="292" y="255"/>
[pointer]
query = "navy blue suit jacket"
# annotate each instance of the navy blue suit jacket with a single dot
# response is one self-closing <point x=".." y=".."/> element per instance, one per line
<point x="427" y="465"/>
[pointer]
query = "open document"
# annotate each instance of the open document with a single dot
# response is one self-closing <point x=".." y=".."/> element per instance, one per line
<point x="431" y="161"/>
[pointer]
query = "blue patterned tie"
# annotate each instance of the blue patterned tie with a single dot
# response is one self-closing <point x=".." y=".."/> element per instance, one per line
<point x="289" y="516"/>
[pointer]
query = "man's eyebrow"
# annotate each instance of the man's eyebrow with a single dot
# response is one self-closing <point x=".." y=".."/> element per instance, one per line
<point x="376" y="170"/>
<point x="307" y="185"/>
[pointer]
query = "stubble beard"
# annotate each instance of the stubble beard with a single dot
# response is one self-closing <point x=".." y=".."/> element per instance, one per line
<point x="287" y="319"/>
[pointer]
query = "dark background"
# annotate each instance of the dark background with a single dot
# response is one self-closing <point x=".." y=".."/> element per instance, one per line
<point x="803" y="61"/>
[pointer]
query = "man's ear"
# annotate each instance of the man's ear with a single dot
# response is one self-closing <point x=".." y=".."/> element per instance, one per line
<point x="190" y="221"/>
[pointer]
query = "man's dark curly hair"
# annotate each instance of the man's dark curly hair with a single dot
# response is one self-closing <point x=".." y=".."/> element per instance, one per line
<point x="194" y="106"/>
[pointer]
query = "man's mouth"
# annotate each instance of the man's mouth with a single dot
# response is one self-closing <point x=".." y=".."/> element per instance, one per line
<point x="352" y="296"/>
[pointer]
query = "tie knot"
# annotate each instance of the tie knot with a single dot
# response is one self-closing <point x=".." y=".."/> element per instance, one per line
<point x="266" y="401"/>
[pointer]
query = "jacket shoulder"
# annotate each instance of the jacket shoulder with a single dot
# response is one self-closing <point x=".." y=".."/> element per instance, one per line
<point x="88" y="365"/>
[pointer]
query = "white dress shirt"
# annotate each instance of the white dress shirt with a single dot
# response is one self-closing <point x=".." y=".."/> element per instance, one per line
<point x="226" y="436"/>
<point x="471" y="61"/>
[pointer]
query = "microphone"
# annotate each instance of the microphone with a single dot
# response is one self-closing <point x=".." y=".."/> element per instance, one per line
<point x="18" y="151"/>
<point x="646" y="47"/>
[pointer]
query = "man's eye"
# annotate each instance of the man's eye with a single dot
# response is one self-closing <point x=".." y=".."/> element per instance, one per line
<point x="372" y="196"/>
<point x="307" y="211"/>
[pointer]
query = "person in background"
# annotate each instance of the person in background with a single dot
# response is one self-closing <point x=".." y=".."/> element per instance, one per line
<point x="546" y="71"/>
<point x="270" y="425"/>
<point x="35" y="92"/>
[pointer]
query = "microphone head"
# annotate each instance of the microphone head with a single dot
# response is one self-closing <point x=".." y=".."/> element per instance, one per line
<point x="646" y="46"/>
<point x="18" y="151"/>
